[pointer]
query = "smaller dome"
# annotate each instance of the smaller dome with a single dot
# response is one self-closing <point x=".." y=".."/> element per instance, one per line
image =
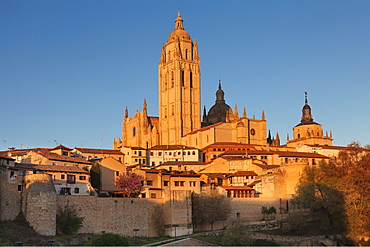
<point x="179" y="31"/>
<point x="218" y="112"/>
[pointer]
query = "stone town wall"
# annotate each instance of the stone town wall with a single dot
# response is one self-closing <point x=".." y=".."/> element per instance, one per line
<point x="122" y="215"/>
<point x="177" y="209"/>
<point x="250" y="208"/>
<point x="39" y="203"/>
<point x="114" y="215"/>
<point x="10" y="200"/>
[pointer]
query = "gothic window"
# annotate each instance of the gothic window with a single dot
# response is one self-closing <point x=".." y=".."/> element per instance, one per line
<point x="134" y="131"/>
<point x="191" y="80"/>
<point x="182" y="78"/>
<point x="186" y="54"/>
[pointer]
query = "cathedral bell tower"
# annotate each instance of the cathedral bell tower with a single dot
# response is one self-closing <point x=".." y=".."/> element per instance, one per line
<point x="179" y="86"/>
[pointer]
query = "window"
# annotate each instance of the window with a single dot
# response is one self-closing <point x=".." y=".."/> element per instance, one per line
<point x="159" y="153"/>
<point x="192" y="183"/>
<point x="149" y="182"/>
<point x="191" y="80"/>
<point x="139" y="153"/>
<point x="151" y="153"/>
<point x="153" y="195"/>
<point x="182" y="78"/>
<point x="166" y="183"/>
<point x="193" y="152"/>
<point x="71" y="179"/>
<point x="65" y="191"/>
<point x="82" y="177"/>
<point x="62" y="176"/>
<point x="180" y="183"/>
<point x="286" y="160"/>
<point x="77" y="190"/>
<point x="134" y="131"/>
<point x="20" y="187"/>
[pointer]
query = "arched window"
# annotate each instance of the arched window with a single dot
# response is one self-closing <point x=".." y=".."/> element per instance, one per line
<point x="191" y="79"/>
<point x="182" y="77"/>
<point x="134" y="131"/>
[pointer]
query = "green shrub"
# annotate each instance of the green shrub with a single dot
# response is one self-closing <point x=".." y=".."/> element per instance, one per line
<point x="67" y="220"/>
<point x="109" y="239"/>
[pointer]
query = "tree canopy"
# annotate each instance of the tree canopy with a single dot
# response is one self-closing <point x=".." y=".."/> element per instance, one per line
<point x="130" y="184"/>
<point x="340" y="190"/>
<point x="210" y="207"/>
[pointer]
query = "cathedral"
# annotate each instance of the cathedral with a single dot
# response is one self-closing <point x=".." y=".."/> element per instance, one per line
<point x="180" y="122"/>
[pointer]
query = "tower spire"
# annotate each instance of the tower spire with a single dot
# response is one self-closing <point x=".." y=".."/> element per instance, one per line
<point x="245" y="113"/>
<point x="126" y="112"/>
<point x="306" y="111"/>
<point x="179" y="21"/>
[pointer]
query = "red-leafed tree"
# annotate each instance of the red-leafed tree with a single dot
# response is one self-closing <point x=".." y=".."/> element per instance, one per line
<point x="130" y="184"/>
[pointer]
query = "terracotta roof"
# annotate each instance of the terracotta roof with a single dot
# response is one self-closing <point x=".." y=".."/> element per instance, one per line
<point x="135" y="148"/>
<point x="236" y="187"/>
<point x="5" y="157"/>
<point x="230" y="144"/>
<point x="19" y="152"/>
<point x="204" y="128"/>
<point x="271" y="152"/>
<point x="171" y="147"/>
<point x="54" y="156"/>
<point x="61" y="147"/>
<point x="99" y="151"/>
<point x="217" y="175"/>
<point x="254" y="183"/>
<point x="238" y="157"/>
<point x="300" y="154"/>
<point x="182" y="163"/>
<point x="249" y="152"/>
<point x="267" y="166"/>
<point x="51" y="168"/>
<point x="243" y="173"/>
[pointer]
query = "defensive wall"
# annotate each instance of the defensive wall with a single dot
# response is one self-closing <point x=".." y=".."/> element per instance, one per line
<point x="40" y="203"/>
<point x="10" y="197"/>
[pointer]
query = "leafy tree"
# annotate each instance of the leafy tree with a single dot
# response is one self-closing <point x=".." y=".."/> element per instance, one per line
<point x="67" y="220"/>
<point x="340" y="191"/>
<point x="267" y="211"/>
<point x="208" y="208"/>
<point x="109" y="239"/>
<point x="130" y="184"/>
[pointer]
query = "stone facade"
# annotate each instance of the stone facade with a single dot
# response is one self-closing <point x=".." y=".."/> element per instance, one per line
<point x="39" y="203"/>
<point x="10" y="199"/>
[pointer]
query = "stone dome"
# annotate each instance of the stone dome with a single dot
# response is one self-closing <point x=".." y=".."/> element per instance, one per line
<point x="179" y="31"/>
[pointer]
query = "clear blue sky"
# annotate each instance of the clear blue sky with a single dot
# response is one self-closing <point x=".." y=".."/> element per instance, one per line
<point x="69" y="68"/>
